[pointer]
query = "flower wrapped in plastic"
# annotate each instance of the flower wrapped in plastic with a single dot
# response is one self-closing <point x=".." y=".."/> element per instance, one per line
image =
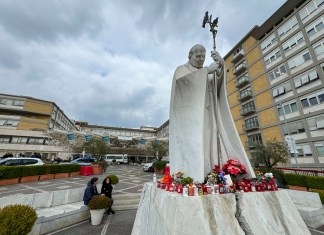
<point x="167" y="179"/>
<point x="234" y="168"/>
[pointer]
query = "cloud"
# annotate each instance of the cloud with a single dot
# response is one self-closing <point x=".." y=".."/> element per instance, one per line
<point x="111" y="62"/>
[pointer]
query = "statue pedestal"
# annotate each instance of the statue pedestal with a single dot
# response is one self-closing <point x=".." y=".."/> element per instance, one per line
<point x="162" y="212"/>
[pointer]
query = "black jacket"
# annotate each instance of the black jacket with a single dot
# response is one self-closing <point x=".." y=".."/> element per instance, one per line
<point x="106" y="189"/>
<point x="89" y="192"/>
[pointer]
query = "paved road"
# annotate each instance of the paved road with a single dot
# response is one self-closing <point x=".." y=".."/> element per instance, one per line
<point x="131" y="180"/>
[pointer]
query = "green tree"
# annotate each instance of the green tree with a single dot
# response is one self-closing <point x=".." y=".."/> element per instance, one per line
<point x="157" y="149"/>
<point x="96" y="147"/>
<point x="270" y="154"/>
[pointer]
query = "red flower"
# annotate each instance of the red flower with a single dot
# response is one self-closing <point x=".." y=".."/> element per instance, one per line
<point x="233" y="162"/>
<point x="243" y="168"/>
<point x="234" y="170"/>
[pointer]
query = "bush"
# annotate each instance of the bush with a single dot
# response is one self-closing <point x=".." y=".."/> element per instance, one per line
<point x="10" y="172"/>
<point x="159" y="165"/>
<point x="296" y="180"/>
<point x="113" y="179"/>
<point x="99" y="202"/>
<point x="17" y="219"/>
<point x="75" y="167"/>
<point x="315" y="182"/>
<point x="320" y="192"/>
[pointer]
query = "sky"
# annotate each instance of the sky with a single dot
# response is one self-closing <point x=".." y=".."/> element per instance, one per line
<point x="111" y="62"/>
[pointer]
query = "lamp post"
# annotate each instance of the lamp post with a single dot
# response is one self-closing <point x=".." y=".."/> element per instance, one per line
<point x="290" y="142"/>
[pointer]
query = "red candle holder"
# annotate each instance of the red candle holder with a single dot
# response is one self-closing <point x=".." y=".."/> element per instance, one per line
<point x="163" y="186"/>
<point x="159" y="184"/>
<point x="179" y="189"/>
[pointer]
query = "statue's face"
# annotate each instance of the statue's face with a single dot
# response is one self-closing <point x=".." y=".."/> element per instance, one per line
<point x="197" y="59"/>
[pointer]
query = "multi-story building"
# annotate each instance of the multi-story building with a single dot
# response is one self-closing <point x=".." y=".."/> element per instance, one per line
<point x="25" y="123"/>
<point x="275" y="81"/>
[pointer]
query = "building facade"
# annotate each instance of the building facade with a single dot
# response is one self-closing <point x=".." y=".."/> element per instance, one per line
<point x="275" y="82"/>
<point x="25" y="126"/>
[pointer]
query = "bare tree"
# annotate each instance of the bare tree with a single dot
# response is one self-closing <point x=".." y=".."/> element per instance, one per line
<point x="270" y="154"/>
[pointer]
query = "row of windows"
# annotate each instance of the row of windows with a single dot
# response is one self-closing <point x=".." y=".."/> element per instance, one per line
<point x="7" y="122"/>
<point x="299" y="81"/>
<point x="310" y="8"/>
<point x="23" y="140"/>
<point x="311" y="100"/>
<point x="12" y="102"/>
<point x="295" y="40"/>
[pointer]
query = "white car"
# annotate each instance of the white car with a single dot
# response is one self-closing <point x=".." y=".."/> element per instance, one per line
<point x="148" y="167"/>
<point x="21" y="161"/>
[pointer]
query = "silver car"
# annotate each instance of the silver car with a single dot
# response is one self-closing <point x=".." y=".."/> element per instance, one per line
<point x="21" y="161"/>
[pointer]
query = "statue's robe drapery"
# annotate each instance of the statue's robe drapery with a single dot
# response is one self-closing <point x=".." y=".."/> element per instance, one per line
<point x="192" y="129"/>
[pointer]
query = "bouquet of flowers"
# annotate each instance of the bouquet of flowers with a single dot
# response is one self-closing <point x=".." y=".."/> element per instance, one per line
<point x="234" y="168"/>
<point x="268" y="176"/>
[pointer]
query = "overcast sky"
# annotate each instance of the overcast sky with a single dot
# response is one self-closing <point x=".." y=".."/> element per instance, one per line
<point x="111" y="62"/>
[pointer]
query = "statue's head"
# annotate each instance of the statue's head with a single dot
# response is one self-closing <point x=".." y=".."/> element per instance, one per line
<point x="197" y="56"/>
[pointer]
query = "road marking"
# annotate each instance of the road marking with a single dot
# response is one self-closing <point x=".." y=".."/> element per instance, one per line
<point x="104" y="230"/>
<point x="33" y="188"/>
<point x="86" y="221"/>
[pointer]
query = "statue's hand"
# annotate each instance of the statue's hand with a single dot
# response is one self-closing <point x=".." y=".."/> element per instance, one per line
<point x="217" y="58"/>
<point x="213" y="67"/>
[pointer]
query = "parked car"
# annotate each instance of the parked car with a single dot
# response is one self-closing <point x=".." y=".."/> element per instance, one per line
<point x="148" y="167"/>
<point x="83" y="161"/>
<point x="21" y="161"/>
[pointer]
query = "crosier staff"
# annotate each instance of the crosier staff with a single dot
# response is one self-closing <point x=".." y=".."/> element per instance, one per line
<point x="213" y="29"/>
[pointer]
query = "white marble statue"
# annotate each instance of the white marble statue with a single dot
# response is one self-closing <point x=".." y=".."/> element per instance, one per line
<point x="193" y="117"/>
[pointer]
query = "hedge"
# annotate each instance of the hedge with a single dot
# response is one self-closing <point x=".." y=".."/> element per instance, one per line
<point x="296" y="180"/>
<point x="316" y="182"/>
<point x="9" y="172"/>
<point x="320" y="192"/>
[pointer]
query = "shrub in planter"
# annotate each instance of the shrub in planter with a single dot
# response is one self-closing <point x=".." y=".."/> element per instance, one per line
<point x="103" y="164"/>
<point x="9" y="172"/>
<point x="17" y="219"/>
<point x="159" y="165"/>
<point x="75" y="167"/>
<point x="99" y="202"/>
<point x="296" y="180"/>
<point x="113" y="179"/>
<point x="315" y="182"/>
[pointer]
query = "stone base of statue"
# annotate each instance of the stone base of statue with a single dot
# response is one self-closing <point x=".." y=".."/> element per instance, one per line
<point x="167" y="213"/>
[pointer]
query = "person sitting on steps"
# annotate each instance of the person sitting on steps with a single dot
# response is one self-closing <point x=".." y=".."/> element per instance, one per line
<point x="106" y="189"/>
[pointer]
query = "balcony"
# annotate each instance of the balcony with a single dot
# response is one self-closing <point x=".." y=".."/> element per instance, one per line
<point x="252" y="144"/>
<point x="240" y="68"/>
<point x="251" y="126"/>
<point x="239" y="55"/>
<point x="244" y="95"/>
<point x="247" y="110"/>
<point x="241" y="81"/>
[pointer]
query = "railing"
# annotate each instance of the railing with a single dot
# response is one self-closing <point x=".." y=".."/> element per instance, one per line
<point x="241" y="81"/>
<point x="244" y="95"/>
<point x="241" y="67"/>
<point x="251" y="126"/>
<point x="301" y="171"/>
<point x="238" y="56"/>
<point x="247" y="110"/>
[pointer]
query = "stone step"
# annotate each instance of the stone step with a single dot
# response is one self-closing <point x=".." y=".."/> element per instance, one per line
<point x="127" y="196"/>
<point x="126" y="207"/>
<point x="126" y="202"/>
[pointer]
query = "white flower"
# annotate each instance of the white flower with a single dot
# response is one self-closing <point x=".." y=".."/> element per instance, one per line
<point x="268" y="175"/>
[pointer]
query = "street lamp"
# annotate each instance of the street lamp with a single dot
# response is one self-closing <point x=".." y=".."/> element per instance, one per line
<point x="290" y="140"/>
